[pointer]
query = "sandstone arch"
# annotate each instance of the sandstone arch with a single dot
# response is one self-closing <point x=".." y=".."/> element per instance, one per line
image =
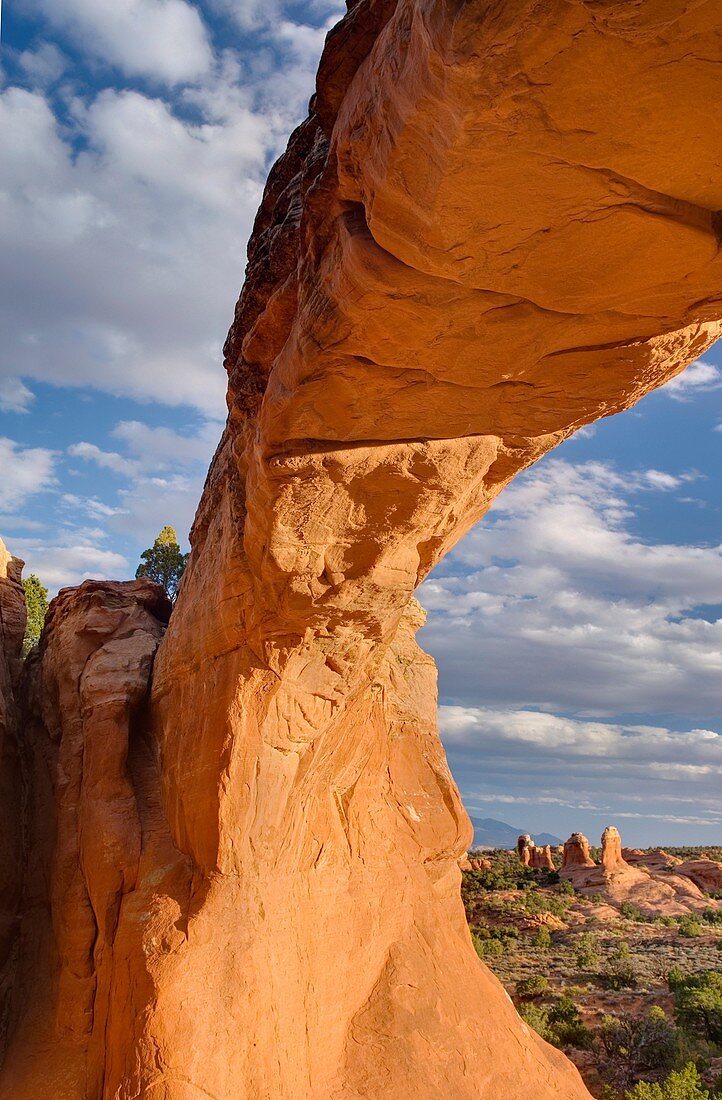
<point x="499" y="222"/>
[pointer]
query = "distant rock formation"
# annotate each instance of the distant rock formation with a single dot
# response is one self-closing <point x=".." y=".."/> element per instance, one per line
<point x="531" y="855"/>
<point x="656" y="883"/>
<point x="475" y="863"/>
<point x="542" y="858"/>
<point x="576" y="853"/>
<point x="524" y="847"/>
<point x="612" y="858"/>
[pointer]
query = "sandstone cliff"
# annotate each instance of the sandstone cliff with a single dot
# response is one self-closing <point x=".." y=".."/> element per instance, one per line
<point x="498" y="223"/>
<point x="12" y="630"/>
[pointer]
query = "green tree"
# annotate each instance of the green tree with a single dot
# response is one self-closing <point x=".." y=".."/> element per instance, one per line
<point x="698" y="1004"/>
<point x="163" y="562"/>
<point x="36" y="601"/>
<point x="684" y="1084"/>
<point x="645" y="1046"/>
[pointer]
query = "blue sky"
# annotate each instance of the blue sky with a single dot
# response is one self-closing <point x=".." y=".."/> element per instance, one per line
<point x="576" y="630"/>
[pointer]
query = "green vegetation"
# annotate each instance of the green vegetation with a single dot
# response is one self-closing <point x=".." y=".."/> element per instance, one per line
<point x="163" y="562"/>
<point x="543" y="938"/>
<point x="698" y="1003"/>
<point x="36" y="601"/>
<point x="684" y="1084"/>
<point x="532" y="987"/>
<point x="638" y="1046"/>
<point x="560" y="1024"/>
<point x="689" y="925"/>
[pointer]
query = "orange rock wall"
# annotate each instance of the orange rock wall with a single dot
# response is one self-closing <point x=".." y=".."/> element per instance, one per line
<point x="498" y="223"/>
<point x="12" y="631"/>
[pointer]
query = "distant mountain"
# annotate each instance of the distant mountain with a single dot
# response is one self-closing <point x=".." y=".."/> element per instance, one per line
<point x="489" y="833"/>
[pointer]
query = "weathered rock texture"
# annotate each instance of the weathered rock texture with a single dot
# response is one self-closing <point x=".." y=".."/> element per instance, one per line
<point x="93" y="784"/>
<point x="498" y="223"/>
<point x="576" y="853"/>
<point x="12" y="631"/>
<point x="612" y="857"/>
<point x="539" y="858"/>
<point x="524" y="847"/>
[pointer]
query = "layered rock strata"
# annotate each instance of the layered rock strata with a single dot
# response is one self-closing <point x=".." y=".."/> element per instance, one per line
<point x="460" y="259"/>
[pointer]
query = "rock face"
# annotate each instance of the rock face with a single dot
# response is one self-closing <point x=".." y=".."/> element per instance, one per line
<point x="576" y="853"/>
<point x="458" y="262"/>
<point x="542" y="858"/>
<point x="12" y="631"/>
<point x="612" y="857"/>
<point x="524" y="847"/>
<point x="539" y="858"/>
<point x="94" y="791"/>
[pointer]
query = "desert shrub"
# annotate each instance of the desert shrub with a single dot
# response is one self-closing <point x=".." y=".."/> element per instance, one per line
<point x="566" y="1027"/>
<point x="712" y="916"/>
<point x="632" y="912"/>
<point x="646" y="1046"/>
<point x="675" y="978"/>
<point x="587" y="946"/>
<point x="689" y="925"/>
<point x="565" y="887"/>
<point x="619" y="971"/>
<point x="488" y="948"/>
<point x="537" y="1018"/>
<point x="542" y="938"/>
<point x="684" y="1084"/>
<point x="533" y="986"/>
<point x="559" y="1024"/>
<point x="698" y="1004"/>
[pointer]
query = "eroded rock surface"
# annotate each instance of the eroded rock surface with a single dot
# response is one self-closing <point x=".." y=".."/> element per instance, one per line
<point x="576" y="853"/>
<point x="12" y="631"/>
<point x="84" y="754"/>
<point x="498" y="223"/>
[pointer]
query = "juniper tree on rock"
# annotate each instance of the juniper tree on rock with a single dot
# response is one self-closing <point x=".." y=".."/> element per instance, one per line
<point x="36" y="602"/>
<point x="164" y="562"/>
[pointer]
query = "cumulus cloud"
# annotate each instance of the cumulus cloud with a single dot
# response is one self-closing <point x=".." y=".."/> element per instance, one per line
<point x="162" y="40"/>
<point x="69" y="559"/>
<point x="15" y="396"/>
<point x="584" y="773"/>
<point x="698" y="376"/>
<point x="25" y="472"/>
<point x="553" y="602"/>
<point x="126" y="212"/>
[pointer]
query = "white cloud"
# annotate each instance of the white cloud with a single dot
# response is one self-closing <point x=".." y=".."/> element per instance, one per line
<point x="160" y="447"/>
<point x="698" y="376"/>
<point x="44" y="65"/>
<point x="25" y="471"/>
<point x="553" y="603"/>
<point x="69" y="561"/>
<point x="162" y="40"/>
<point x="15" y="396"/>
<point x="107" y="460"/>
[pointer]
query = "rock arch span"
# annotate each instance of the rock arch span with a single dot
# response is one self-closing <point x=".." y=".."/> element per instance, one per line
<point x="499" y="223"/>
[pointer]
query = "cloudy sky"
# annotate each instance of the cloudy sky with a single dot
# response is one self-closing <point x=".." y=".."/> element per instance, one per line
<point x="578" y="630"/>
